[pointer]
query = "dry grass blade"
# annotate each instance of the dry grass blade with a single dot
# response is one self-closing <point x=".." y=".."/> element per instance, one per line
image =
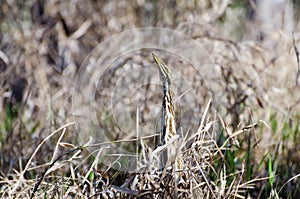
<point x="21" y="177"/>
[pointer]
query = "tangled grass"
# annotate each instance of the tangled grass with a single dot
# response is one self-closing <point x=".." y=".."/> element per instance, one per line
<point x="255" y="127"/>
<point x="198" y="179"/>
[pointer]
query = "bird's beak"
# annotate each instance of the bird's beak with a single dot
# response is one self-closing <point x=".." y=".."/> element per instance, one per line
<point x="157" y="61"/>
<point x="162" y="67"/>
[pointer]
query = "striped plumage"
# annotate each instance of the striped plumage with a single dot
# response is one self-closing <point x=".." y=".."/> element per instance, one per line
<point x="168" y="123"/>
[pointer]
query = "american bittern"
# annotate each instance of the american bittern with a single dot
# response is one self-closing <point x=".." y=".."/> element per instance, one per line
<point x="168" y="123"/>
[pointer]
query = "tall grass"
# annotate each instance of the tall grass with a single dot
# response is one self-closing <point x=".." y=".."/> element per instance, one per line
<point x="257" y="64"/>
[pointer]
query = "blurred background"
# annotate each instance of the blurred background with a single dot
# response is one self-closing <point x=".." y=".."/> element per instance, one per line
<point x="253" y="44"/>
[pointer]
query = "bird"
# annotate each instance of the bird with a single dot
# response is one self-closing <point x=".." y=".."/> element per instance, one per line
<point x="168" y="124"/>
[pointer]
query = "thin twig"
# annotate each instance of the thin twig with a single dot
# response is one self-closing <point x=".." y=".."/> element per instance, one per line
<point x="298" y="60"/>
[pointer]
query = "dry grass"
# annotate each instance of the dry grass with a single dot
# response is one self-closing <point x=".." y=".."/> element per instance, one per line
<point x="147" y="182"/>
<point x="244" y="145"/>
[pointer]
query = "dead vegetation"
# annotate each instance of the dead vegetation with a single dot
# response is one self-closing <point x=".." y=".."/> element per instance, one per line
<point x="243" y="146"/>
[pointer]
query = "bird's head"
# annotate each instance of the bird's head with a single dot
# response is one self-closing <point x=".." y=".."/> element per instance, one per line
<point x="163" y="71"/>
